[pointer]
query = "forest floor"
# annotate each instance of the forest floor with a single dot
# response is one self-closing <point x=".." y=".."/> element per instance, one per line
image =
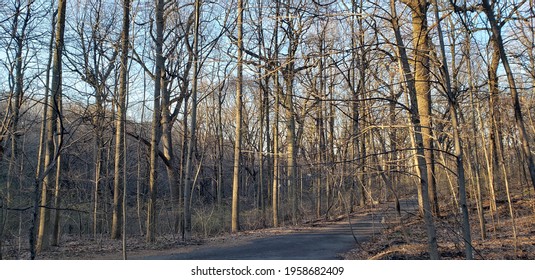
<point x="87" y="248"/>
<point x="282" y="241"/>
<point x="291" y="242"/>
<point x="398" y="240"/>
<point x="407" y="240"/>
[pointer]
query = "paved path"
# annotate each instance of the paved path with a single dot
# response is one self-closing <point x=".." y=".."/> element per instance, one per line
<point x="324" y="242"/>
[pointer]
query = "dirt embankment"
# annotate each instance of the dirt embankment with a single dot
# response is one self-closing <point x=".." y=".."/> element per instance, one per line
<point x="407" y="240"/>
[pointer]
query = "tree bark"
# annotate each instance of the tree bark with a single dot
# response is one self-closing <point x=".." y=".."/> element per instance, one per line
<point x="238" y="123"/>
<point x="415" y="92"/>
<point x="276" y="167"/>
<point x="495" y="134"/>
<point x="52" y="149"/>
<point x="156" y="131"/>
<point x="452" y="102"/>
<point x="186" y="234"/>
<point x="54" y="239"/>
<point x="120" y="126"/>
<point x="291" y="149"/>
<point x="422" y="77"/>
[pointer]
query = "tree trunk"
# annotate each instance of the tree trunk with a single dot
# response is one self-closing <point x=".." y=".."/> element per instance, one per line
<point x="120" y="126"/>
<point x="275" y="190"/>
<point x="360" y="119"/>
<point x="54" y="239"/>
<point x="156" y="132"/>
<point x="51" y="150"/>
<point x="140" y="175"/>
<point x="186" y="234"/>
<point x="238" y="123"/>
<point x="42" y="141"/>
<point x="423" y="89"/>
<point x="172" y="165"/>
<point x="291" y="150"/>
<point x="263" y="102"/>
<point x="415" y="93"/>
<point x="452" y="102"/>
<point x="220" y="147"/>
<point x="99" y="161"/>
<point x="494" y="123"/>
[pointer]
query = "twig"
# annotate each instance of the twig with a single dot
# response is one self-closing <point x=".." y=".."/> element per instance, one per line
<point x="41" y="206"/>
<point x="350" y="224"/>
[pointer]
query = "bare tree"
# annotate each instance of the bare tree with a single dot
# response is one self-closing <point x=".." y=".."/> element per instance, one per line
<point x="420" y="32"/>
<point x="21" y="20"/>
<point x="18" y="29"/>
<point x="495" y="28"/>
<point x="52" y="148"/>
<point x="238" y="139"/>
<point x="159" y="85"/>
<point x="419" y="12"/>
<point x="186" y="234"/>
<point x="120" y="127"/>
<point x="94" y="60"/>
<point x="453" y="104"/>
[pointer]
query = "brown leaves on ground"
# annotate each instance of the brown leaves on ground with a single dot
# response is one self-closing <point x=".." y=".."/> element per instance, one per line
<point x="408" y="240"/>
<point x="405" y="240"/>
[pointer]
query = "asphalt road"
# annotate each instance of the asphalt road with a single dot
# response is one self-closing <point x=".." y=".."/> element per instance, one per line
<point x="324" y="242"/>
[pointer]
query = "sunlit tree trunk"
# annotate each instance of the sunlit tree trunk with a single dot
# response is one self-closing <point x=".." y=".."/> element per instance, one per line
<point x="52" y="148"/>
<point x="275" y="186"/>
<point x="414" y="93"/>
<point x="42" y="142"/>
<point x="422" y="77"/>
<point x="238" y="123"/>
<point x="120" y="127"/>
<point x="276" y="167"/>
<point x="494" y="123"/>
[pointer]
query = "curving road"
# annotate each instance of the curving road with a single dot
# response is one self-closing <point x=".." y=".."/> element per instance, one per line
<point x="322" y="242"/>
